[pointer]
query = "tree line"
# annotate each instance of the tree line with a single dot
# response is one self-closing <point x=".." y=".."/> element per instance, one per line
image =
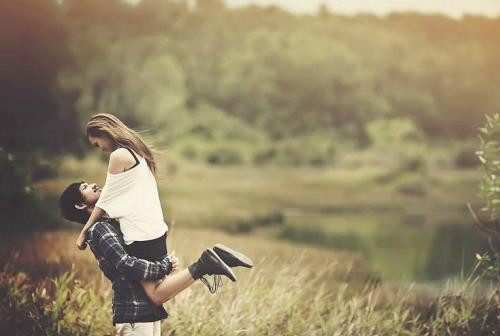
<point x="276" y="74"/>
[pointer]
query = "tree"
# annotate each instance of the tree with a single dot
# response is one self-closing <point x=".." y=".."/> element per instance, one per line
<point x="32" y="53"/>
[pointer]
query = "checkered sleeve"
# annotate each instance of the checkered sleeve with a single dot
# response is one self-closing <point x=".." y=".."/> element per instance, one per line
<point x="111" y="245"/>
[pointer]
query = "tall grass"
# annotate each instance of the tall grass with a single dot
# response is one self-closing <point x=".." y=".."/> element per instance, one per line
<point x="291" y="300"/>
<point x="292" y="290"/>
<point x="58" y="306"/>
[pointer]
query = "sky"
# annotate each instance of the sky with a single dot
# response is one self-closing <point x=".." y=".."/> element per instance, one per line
<point x="453" y="8"/>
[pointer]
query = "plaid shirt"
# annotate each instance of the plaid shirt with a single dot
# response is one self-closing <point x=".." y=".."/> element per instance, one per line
<point x="130" y="303"/>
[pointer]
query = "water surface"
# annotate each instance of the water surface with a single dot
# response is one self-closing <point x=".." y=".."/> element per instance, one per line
<point x="412" y="245"/>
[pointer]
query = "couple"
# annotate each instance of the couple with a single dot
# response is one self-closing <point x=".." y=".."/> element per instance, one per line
<point x="124" y="227"/>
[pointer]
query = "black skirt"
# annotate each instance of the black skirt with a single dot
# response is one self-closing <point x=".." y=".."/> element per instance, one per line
<point x="151" y="250"/>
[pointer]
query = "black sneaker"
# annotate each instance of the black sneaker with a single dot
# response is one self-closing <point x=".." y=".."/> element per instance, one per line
<point x="231" y="257"/>
<point x="210" y="264"/>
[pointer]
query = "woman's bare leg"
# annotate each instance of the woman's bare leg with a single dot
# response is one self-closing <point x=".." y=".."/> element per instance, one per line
<point x="162" y="290"/>
<point x="209" y="263"/>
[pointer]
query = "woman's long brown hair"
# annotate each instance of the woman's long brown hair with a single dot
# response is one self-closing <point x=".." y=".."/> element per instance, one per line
<point x="105" y="124"/>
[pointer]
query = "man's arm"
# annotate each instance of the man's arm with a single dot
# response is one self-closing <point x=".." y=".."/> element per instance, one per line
<point x="111" y="245"/>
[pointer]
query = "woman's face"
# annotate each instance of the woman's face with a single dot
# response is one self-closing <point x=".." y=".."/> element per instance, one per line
<point x="103" y="142"/>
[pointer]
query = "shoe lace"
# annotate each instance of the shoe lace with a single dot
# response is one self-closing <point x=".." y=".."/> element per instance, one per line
<point x="214" y="287"/>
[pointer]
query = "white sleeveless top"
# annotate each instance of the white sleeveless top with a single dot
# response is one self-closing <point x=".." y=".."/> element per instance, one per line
<point x="132" y="198"/>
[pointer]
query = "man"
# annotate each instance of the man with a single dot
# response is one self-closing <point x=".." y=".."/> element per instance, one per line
<point x="133" y="312"/>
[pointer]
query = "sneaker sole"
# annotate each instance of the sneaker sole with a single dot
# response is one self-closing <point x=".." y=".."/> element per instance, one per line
<point x="246" y="261"/>
<point x="226" y="267"/>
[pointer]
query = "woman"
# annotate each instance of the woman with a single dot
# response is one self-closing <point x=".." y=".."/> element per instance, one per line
<point x="130" y="195"/>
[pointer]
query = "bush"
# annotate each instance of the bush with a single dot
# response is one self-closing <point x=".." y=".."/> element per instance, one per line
<point x="387" y="132"/>
<point x="210" y="123"/>
<point x="246" y="226"/>
<point x="489" y="156"/>
<point x="265" y="156"/>
<point x="313" y="150"/>
<point x="201" y="131"/>
<point x="59" y="306"/>
<point x="224" y="156"/>
<point x="412" y="185"/>
<point x="466" y="158"/>
<point x="189" y="152"/>
<point x="19" y="204"/>
<point x="291" y="155"/>
<point x="412" y="164"/>
<point x="43" y="171"/>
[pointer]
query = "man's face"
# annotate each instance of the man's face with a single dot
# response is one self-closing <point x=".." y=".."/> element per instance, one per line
<point x="90" y="193"/>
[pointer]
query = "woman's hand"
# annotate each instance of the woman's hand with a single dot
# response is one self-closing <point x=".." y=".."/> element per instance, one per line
<point x="80" y="242"/>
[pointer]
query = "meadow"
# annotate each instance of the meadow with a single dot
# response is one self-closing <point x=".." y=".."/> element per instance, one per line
<point x="292" y="290"/>
<point x="355" y="205"/>
<point x="301" y="284"/>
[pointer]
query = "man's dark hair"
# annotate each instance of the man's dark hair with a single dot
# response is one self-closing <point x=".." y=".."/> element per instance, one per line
<point x="71" y="196"/>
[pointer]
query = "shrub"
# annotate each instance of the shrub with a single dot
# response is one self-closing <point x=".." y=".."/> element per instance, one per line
<point x="312" y="150"/>
<point x="265" y="156"/>
<point x="383" y="132"/>
<point x="59" y="306"/>
<point x="412" y="164"/>
<point x="489" y="156"/>
<point x="19" y="203"/>
<point x="292" y="155"/>
<point x="224" y="156"/>
<point x="189" y="152"/>
<point x="466" y="158"/>
<point x="213" y="124"/>
<point x="245" y="226"/>
<point x="202" y="131"/>
<point x="412" y="185"/>
<point x="43" y="171"/>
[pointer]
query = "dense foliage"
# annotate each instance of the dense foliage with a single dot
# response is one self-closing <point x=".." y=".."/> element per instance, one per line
<point x="240" y="86"/>
<point x="154" y="63"/>
<point x="59" y="306"/>
<point x="489" y="155"/>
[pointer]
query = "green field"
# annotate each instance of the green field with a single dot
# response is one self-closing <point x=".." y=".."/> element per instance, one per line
<point x="399" y="233"/>
<point x="287" y="220"/>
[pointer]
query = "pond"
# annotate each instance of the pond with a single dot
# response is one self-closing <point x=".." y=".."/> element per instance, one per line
<point x="413" y="245"/>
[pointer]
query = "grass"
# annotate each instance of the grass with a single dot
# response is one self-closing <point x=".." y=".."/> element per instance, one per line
<point x="292" y="290"/>
<point x="216" y="196"/>
<point x="50" y="252"/>
<point x="344" y="207"/>
<point x="284" y="278"/>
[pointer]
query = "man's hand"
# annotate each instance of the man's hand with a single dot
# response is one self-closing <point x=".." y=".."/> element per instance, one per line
<point x="80" y="242"/>
<point x="174" y="260"/>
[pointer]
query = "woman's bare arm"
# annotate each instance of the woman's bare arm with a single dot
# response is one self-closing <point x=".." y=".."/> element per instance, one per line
<point x="119" y="161"/>
<point x="94" y="216"/>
